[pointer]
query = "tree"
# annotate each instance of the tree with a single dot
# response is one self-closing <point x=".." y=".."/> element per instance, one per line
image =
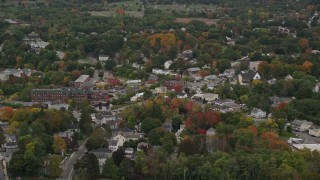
<point x="188" y="146"/>
<point x="54" y="169"/>
<point x="150" y="123"/>
<point x="168" y="142"/>
<point x="155" y="135"/>
<point x="176" y="122"/>
<point x="118" y="156"/>
<point x="110" y="65"/>
<point x="85" y="121"/>
<point x="126" y="168"/>
<point x="223" y="64"/>
<point x="98" y="139"/>
<point x="59" y="145"/>
<point x="17" y="164"/>
<point x="109" y="169"/>
<point x="87" y="167"/>
<point x="2" y="138"/>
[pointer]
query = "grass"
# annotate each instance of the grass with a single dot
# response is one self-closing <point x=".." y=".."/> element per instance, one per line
<point x="131" y="8"/>
<point x="184" y="8"/>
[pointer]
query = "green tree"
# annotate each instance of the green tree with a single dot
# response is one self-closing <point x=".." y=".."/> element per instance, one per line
<point x="155" y="135"/>
<point x="98" y="139"/>
<point x="54" y="169"/>
<point x="168" y="142"/>
<point x="87" y="167"/>
<point x="223" y="64"/>
<point x="110" y="170"/>
<point x="17" y="164"/>
<point x="150" y="123"/>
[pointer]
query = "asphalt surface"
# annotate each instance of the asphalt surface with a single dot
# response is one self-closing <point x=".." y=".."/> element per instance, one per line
<point x="67" y="166"/>
<point x="2" y="173"/>
<point x="307" y="138"/>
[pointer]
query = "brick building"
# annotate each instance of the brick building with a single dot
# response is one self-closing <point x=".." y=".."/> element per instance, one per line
<point x="61" y="94"/>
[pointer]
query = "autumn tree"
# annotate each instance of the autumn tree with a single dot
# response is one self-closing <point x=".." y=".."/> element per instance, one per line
<point x="188" y="146"/>
<point x="59" y="145"/>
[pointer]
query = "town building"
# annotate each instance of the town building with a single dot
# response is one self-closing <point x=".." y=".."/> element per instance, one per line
<point x="59" y="94"/>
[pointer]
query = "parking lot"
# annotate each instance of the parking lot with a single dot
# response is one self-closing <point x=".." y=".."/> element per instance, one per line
<point x="307" y="138"/>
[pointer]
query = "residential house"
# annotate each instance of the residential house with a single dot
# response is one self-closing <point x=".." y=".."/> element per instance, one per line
<point x="153" y="79"/>
<point x="288" y="77"/>
<point x="11" y="143"/>
<point x="226" y="105"/>
<point x="272" y="81"/>
<point x="162" y="72"/>
<point x="142" y="146"/>
<point x="113" y="145"/>
<point x="103" y="58"/>
<point x="4" y="75"/>
<point x="210" y="78"/>
<point x="167" y="64"/>
<point x="102" y="155"/>
<point x="258" y="113"/>
<point x="301" y="125"/>
<point x="136" y="65"/>
<point x="103" y="118"/>
<point x="187" y="53"/>
<point x="314" y="132"/>
<point x="179" y="133"/>
<point x="246" y="77"/>
<point x="316" y="87"/>
<point x="211" y="132"/>
<point x="229" y="73"/>
<point x="191" y="71"/>
<point x="275" y="100"/>
<point x="134" y="83"/>
<point x="136" y="97"/>
<point x="58" y="105"/>
<point x="176" y="85"/>
<point x="167" y="126"/>
<point x="182" y="95"/>
<point x="129" y="152"/>
<point x="254" y="65"/>
<point x="209" y="97"/>
<point x="161" y="90"/>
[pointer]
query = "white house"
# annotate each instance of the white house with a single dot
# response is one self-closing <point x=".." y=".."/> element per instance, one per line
<point x="314" y="132"/>
<point x="136" y="97"/>
<point x="167" y="64"/>
<point x="103" y="57"/>
<point x="120" y="140"/>
<point x="316" y="87"/>
<point x="301" y="125"/>
<point x="134" y="83"/>
<point x="258" y="113"/>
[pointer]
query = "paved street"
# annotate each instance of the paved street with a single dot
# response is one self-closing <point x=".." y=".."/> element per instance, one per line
<point x="2" y="173"/>
<point x="307" y="138"/>
<point x="67" y="166"/>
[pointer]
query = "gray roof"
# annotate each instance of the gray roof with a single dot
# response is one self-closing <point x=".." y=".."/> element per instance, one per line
<point x="300" y="122"/>
<point x="247" y="75"/>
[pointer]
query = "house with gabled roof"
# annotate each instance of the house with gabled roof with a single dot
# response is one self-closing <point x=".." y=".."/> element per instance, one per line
<point x="245" y="77"/>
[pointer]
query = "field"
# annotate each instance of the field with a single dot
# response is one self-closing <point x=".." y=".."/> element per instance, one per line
<point x="205" y="20"/>
<point x="131" y="8"/>
<point x="184" y="8"/>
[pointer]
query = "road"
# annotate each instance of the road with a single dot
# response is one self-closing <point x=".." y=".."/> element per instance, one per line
<point x="307" y="138"/>
<point x="3" y="174"/>
<point x="67" y="166"/>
